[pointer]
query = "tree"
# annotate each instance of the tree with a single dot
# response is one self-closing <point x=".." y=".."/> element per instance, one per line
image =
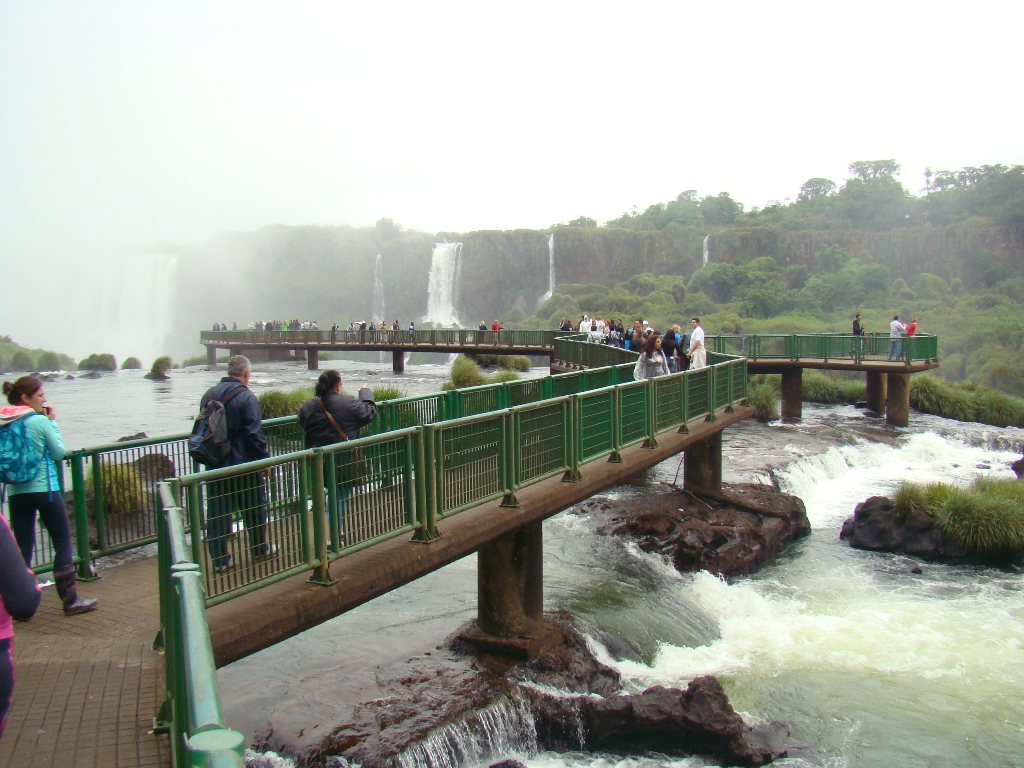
<point x="387" y="228"/>
<point x="48" y="361"/>
<point x="720" y="210"/>
<point x="583" y="221"/>
<point x="816" y="187"/>
<point x="21" y="361"/>
<point x="866" y="170"/>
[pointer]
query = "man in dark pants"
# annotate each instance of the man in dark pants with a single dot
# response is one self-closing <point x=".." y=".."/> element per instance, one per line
<point x="245" y="492"/>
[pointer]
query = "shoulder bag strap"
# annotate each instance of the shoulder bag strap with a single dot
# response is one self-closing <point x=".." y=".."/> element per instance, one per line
<point x="331" y="418"/>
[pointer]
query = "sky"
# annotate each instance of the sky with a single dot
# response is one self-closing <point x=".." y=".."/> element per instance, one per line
<point x="127" y="125"/>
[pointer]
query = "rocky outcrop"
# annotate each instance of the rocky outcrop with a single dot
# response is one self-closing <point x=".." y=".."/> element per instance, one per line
<point x="1018" y="468"/>
<point x="733" y="532"/>
<point x="875" y="526"/>
<point x="575" y="702"/>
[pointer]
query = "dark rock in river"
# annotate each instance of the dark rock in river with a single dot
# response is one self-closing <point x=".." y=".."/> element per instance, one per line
<point x="875" y="526"/>
<point x="92" y="375"/>
<point x="574" y="701"/>
<point x="129" y="438"/>
<point x="1018" y="468"/>
<point x="156" y="376"/>
<point x="733" y="532"/>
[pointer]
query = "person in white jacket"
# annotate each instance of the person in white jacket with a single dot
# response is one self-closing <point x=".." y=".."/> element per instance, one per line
<point x="697" y="354"/>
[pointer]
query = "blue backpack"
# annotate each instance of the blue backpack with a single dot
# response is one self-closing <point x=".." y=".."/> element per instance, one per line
<point x="19" y="461"/>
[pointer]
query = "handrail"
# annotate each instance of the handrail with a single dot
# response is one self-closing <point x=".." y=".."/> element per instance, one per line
<point x="191" y="711"/>
<point x="826" y="346"/>
<point x="382" y="337"/>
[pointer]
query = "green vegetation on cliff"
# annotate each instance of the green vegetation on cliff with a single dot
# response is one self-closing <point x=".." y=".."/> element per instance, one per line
<point x="17" y="359"/>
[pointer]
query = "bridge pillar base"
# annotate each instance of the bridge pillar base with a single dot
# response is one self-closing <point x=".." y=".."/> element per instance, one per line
<point x="792" y="394"/>
<point x="398" y="360"/>
<point x="300" y="353"/>
<point x="510" y="585"/>
<point x="313" y="360"/>
<point x="525" y="648"/>
<point x="211" y="357"/>
<point x="876" y="387"/>
<point x="235" y="351"/>
<point x="702" y="464"/>
<point x="897" y="400"/>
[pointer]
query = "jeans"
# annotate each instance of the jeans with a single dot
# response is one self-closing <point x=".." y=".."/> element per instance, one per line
<point x="248" y="494"/>
<point x="895" y="349"/>
<point x="50" y="506"/>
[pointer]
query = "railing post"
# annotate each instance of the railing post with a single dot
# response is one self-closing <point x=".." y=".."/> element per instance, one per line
<point x="651" y="401"/>
<point x="570" y="441"/>
<point x="729" y="388"/>
<point x="426" y="487"/>
<point x="322" y="573"/>
<point x="616" y="456"/>
<point x="508" y="459"/>
<point x="684" y="402"/>
<point x="712" y="399"/>
<point x="305" y="514"/>
<point x="195" y="522"/>
<point x="98" y="501"/>
<point x="334" y="521"/>
<point x="85" y="569"/>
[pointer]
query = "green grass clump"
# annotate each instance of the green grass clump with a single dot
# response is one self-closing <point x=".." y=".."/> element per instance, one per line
<point x="123" y="490"/>
<point x="763" y="397"/>
<point x="387" y="392"/>
<point x="997" y="409"/>
<point x="921" y="497"/>
<point x="277" y="402"/>
<point x="819" y="388"/>
<point x="519" y="363"/>
<point x="499" y="377"/>
<point x="161" y="365"/>
<point x="464" y="373"/>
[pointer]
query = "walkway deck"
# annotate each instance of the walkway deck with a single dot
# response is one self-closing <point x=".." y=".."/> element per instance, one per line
<point x="88" y="686"/>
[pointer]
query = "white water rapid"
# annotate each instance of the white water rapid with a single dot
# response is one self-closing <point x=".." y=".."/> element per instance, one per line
<point x="551" y="270"/>
<point x="378" y="292"/>
<point x="443" y="284"/>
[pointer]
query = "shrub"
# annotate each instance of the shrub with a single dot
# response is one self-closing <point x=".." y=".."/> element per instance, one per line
<point x="387" y="392"/>
<point x="986" y="523"/>
<point x="123" y="490"/>
<point x="161" y="365"/>
<point x="764" y="398"/>
<point x="21" y="361"/>
<point x="464" y="373"/>
<point x="276" y="402"/>
<point x="514" y="362"/>
<point x="48" y="361"/>
<point x="131" y="364"/>
<point x="991" y="407"/>
<point x="503" y="375"/>
<point x="818" y="388"/>
<point x="104" y="361"/>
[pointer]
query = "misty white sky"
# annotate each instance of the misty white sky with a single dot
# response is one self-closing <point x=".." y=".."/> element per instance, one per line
<point x="125" y="124"/>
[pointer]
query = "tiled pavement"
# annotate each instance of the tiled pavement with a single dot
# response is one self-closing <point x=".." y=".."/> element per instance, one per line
<point x="87" y="686"/>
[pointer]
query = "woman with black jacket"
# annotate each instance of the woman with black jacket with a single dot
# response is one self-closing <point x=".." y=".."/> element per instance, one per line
<point x="19" y="598"/>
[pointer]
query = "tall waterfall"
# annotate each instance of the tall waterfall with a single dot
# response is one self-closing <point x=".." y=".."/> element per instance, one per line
<point x="137" y="307"/>
<point x="443" y="286"/>
<point x="551" y="270"/>
<point x="378" y="292"/>
<point x="706" y="238"/>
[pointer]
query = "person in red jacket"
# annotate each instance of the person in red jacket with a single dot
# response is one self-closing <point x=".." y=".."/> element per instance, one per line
<point x="912" y="326"/>
<point x="495" y="327"/>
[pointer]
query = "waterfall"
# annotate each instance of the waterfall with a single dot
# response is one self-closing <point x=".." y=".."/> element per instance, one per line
<point x="706" y="238"/>
<point x="378" y="292"/>
<point x="137" y="306"/>
<point x="503" y="729"/>
<point x="443" y="286"/>
<point x="551" y="270"/>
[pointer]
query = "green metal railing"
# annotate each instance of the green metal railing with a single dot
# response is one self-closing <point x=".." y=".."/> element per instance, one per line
<point x="382" y="337"/>
<point x="191" y="711"/>
<point x="826" y="347"/>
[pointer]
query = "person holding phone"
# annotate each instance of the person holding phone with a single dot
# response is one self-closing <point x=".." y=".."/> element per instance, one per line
<point x="41" y="494"/>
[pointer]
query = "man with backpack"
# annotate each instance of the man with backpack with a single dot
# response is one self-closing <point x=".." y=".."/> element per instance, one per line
<point x="246" y="442"/>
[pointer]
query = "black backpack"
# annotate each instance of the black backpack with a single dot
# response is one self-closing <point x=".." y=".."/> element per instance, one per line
<point x="209" y="442"/>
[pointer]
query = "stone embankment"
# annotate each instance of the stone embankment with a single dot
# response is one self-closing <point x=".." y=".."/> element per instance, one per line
<point x="733" y="532"/>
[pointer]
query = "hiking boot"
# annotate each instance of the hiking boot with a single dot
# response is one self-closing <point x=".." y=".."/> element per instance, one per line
<point x="225" y="566"/>
<point x="68" y="592"/>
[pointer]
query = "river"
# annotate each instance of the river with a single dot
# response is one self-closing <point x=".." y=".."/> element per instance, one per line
<point x="867" y="662"/>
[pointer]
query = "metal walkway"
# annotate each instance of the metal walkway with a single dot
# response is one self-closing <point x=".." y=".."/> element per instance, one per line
<point x="88" y="686"/>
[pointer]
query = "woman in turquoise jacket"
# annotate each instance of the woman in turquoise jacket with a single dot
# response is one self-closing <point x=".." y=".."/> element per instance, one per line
<point x="41" y="494"/>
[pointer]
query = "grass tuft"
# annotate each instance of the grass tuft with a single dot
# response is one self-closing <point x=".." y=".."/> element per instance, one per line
<point x="764" y="398"/>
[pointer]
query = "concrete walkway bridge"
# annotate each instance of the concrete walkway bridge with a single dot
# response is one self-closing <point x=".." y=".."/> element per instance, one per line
<point x="314" y="533"/>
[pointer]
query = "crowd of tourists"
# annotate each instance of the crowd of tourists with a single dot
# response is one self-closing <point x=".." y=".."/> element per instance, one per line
<point x="661" y="353"/>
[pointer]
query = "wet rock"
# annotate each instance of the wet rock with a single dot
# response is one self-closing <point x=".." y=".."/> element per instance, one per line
<point x="1018" y="468"/>
<point x="92" y="375"/>
<point x="154" y="467"/>
<point x="156" y="376"/>
<point x="69" y="377"/>
<point x="876" y="527"/>
<point x="735" y="532"/>
<point x="129" y="438"/>
<point x="508" y="763"/>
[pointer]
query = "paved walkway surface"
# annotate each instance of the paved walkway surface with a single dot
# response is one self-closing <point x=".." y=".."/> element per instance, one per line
<point x="87" y="687"/>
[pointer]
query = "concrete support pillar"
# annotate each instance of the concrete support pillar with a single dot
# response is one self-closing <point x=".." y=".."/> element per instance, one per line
<point x="792" y="394"/>
<point x="300" y="353"/>
<point x="876" y="386"/>
<point x="313" y="360"/>
<point x="897" y="400"/>
<point x="211" y="357"/>
<point x="235" y="351"/>
<point x="702" y="464"/>
<point x="398" y="360"/>
<point x="510" y="584"/>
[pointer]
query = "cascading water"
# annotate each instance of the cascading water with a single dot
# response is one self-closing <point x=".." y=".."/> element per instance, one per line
<point x="378" y="292"/>
<point x="138" y="306"/>
<point x="443" y="285"/>
<point x="503" y="729"/>
<point x="705" y="250"/>
<point x="551" y="270"/>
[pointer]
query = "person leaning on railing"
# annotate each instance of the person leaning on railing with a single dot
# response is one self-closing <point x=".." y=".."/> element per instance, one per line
<point x="331" y="417"/>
